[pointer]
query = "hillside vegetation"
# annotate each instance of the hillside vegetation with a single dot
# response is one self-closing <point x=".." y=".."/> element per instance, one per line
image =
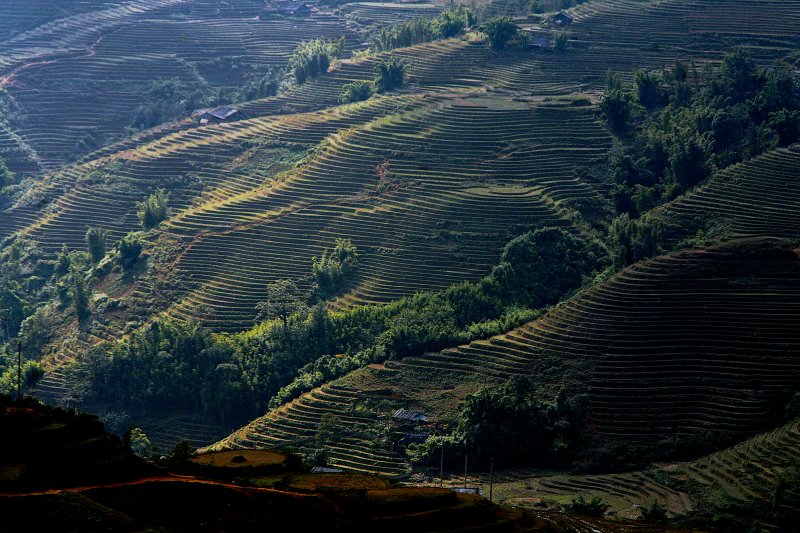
<point x="572" y="246"/>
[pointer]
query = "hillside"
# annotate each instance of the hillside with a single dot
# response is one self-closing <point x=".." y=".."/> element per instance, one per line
<point x="560" y="247"/>
<point x="65" y="479"/>
<point x="723" y="364"/>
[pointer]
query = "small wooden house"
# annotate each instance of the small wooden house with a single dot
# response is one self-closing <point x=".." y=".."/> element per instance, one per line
<point x="562" y="19"/>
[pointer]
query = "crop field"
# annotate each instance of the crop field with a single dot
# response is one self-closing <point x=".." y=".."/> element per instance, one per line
<point x="625" y="340"/>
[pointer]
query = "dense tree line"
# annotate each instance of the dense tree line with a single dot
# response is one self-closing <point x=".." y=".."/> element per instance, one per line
<point x="674" y="133"/>
<point x="390" y="74"/>
<point x="301" y="343"/>
<point x="313" y="58"/>
<point x="422" y="30"/>
<point x="512" y="426"/>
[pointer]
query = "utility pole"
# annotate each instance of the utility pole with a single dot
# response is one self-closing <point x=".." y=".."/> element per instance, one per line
<point x="441" y="468"/>
<point x="19" y="370"/>
<point x="465" y="470"/>
<point x="491" y="478"/>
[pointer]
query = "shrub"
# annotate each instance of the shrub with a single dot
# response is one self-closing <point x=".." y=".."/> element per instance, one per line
<point x="313" y="58"/>
<point x="390" y="74"/>
<point x="500" y="31"/>
<point x="579" y="506"/>
<point x="129" y="249"/>
<point x="154" y="209"/>
<point x="356" y="91"/>
<point x="332" y="269"/>
<point x="96" y="243"/>
<point x="654" y="514"/>
<point x="561" y="41"/>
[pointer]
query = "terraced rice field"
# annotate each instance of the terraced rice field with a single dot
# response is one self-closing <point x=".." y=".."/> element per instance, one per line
<point x="758" y="197"/>
<point x="698" y="343"/>
<point x="746" y="472"/>
<point x="77" y="87"/>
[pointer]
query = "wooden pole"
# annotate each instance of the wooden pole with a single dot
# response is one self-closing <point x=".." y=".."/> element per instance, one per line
<point x="491" y="478"/>
<point x="441" y="468"/>
<point x="465" y="469"/>
<point x="19" y="370"/>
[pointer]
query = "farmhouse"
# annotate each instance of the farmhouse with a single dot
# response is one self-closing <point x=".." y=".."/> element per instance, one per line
<point x="562" y="19"/>
<point x="404" y="417"/>
<point x="219" y="114"/>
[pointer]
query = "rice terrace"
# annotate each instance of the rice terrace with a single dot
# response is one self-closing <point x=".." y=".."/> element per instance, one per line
<point x="464" y="265"/>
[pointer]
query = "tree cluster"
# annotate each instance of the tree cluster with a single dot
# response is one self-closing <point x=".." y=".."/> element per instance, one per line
<point x="422" y="30"/>
<point x="511" y="426"/>
<point x="313" y="58"/>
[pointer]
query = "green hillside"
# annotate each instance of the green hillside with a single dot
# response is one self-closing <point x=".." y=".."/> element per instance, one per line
<point x="575" y="250"/>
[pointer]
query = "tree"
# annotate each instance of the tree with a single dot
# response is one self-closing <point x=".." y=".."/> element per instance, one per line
<point x="499" y="31"/>
<point x="333" y="268"/>
<point x="616" y="107"/>
<point x="328" y="428"/>
<point x="313" y="58"/>
<point x="356" y="91"/>
<point x="6" y="176"/>
<point x="154" y="209"/>
<point x="129" y="248"/>
<point x="451" y="23"/>
<point x="595" y="507"/>
<point x="786" y="125"/>
<point x="283" y="299"/>
<point x="654" y="514"/>
<point x="80" y="294"/>
<point x="390" y="74"/>
<point x="648" y="89"/>
<point x="561" y="41"/>
<point x="140" y="444"/>
<point x="96" y="243"/>
<point x="688" y="163"/>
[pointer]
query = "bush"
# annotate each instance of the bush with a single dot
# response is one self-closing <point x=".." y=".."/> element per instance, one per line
<point x="333" y="268"/>
<point x="500" y="31"/>
<point x="356" y="91"/>
<point x="655" y="514"/>
<point x="579" y="506"/>
<point x="129" y="249"/>
<point x="561" y="42"/>
<point x="154" y="209"/>
<point x="96" y="243"/>
<point x="390" y="74"/>
<point x="313" y="58"/>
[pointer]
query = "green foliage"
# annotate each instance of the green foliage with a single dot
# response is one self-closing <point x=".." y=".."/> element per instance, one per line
<point x="648" y="89"/>
<point x="633" y="240"/>
<point x="333" y="269"/>
<point x="616" y="106"/>
<point x="561" y="42"/>
<point x="165" y="100"/>
<point x="80" y="293"/>
<point x="154" y="209"/>
<point x="654" y="514"/>
<point x="742" y="111"/>
<point x="421" y="30"/>
<point x="500" y="31"/>
<point x="129" y="248"/>
<point x="356" y="91"/>
<point x="6" y="176"/>
<point x="96" y="243"/>
<point x="328" y="428"/>
<point x="233" y="377"/>
<point x="32" y="372"/>
<point x="313" y="58"/>
<point x="595" y="507"/>
<point x="283" y="299"/>
<point x="139" y="443"/>
<point x="390" y="74"/>
<point x="511" y="425"/>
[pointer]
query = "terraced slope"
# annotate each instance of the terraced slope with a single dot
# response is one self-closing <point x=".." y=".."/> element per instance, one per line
<point x="758" y="197"/>
<point x="449" y="196"/>
<point x="699" y="343"/>
<point x="78" y="87"/>
<point x="747" y="472"/>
